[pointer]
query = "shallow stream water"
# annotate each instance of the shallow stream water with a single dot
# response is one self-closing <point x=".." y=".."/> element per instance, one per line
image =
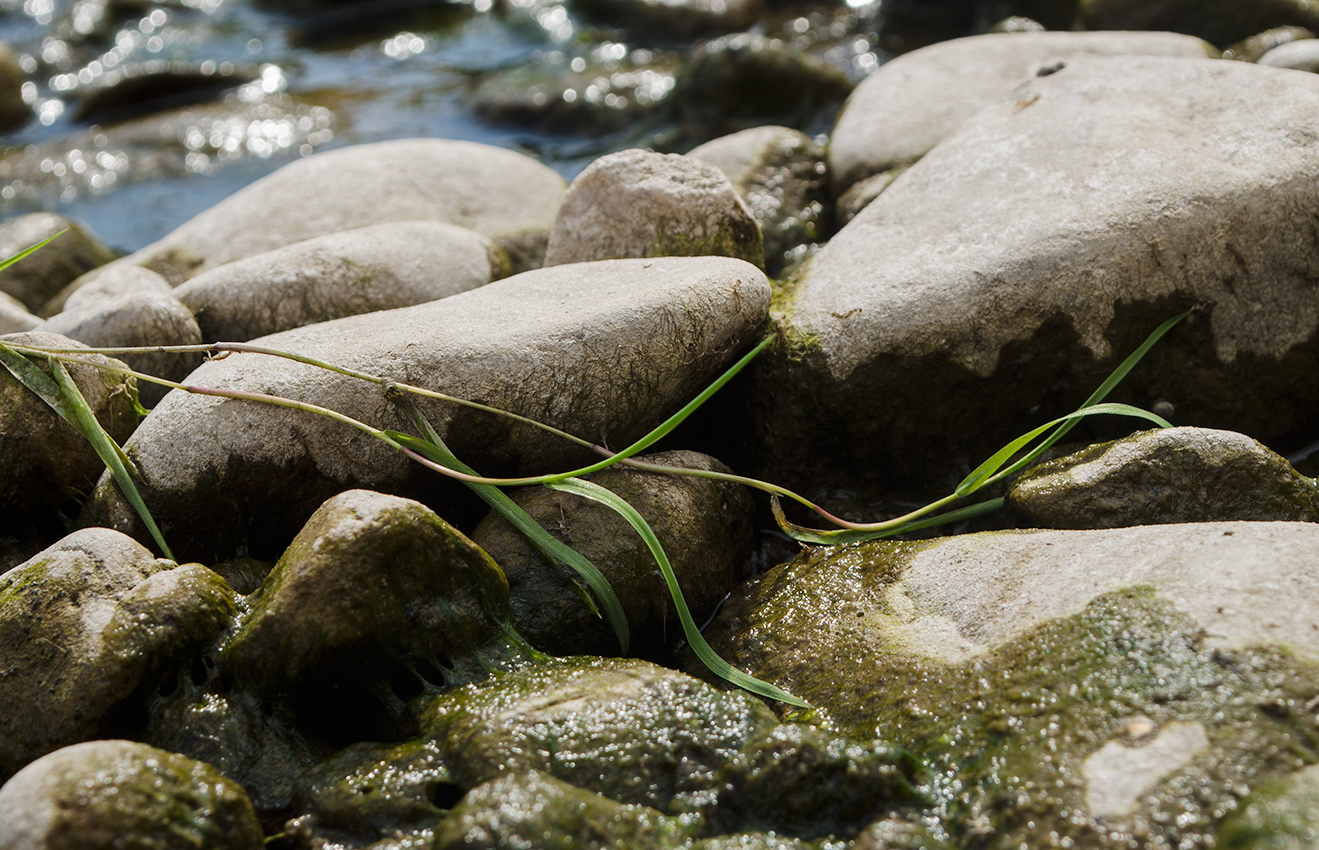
<point x="148" y="111"/>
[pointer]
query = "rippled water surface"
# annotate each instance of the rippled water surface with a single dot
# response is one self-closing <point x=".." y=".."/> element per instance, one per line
<point x="147" y="112"/>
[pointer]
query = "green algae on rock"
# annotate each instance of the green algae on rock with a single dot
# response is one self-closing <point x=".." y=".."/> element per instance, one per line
<point x="111" y="794"/>
<point x="1026" y="667"/>
<point x="88" y="626"/>
<point x="704" y="525"/>
<point x="1165" y="476"/>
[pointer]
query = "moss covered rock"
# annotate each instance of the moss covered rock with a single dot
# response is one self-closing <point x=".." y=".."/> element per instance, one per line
<point x="1082" y="688"/>
<point x="704" y="526"/>
<point x="370" y="583"/>
<point x="88" y="627"/>
<point x="637" y="203"/>
<point x="112" y="794"/>
<point x="1163" y="476"/>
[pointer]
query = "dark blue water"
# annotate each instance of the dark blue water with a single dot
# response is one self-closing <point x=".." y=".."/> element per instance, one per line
<point x="318" y="80"/>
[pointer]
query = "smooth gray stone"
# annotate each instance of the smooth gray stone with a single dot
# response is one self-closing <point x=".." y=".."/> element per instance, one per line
<point x="38" y="276"/>
<point x="505" y="196"/>
<point x="116" y="280"/>
<point x="1165" y="476"/>
<point x="380" y="267"/>
<point x="998" y="281"/>
<point x="637" y="203"/>
<point x="14" y="317"/>
<point x="104" y="794"/>
<point x="1302" y="55"/>
<point x="905" y="108"/>
<point x="602" y="350"/>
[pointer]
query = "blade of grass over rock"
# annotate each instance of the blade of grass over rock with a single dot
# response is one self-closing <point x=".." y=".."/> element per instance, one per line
<point x="9" y="261"/>
<point x="549" y="546"/>
<point x="802" y="534"/>
<point x="64" y="397"/>
<point x="704" y="651"/>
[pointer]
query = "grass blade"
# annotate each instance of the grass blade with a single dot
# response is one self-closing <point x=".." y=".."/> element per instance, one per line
<point x="703" y="650"/>
<point x="549" y="546"/>
<point x="108" y="450"/>
<point x="9" y="261"/>
<point x="802" y="534"/>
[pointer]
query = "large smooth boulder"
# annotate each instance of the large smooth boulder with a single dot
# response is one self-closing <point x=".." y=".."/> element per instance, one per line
<point x="505" y="196"/>
<point x="110" y="794"/>
<point x="913" y="102"/>
<point x="1110" y="686"/>
<point x="998" y="281"/>
<point x="602" y="350"/>
<point x="1165" y="476"/>
<point x="381" y="267"/>
<point x="705" y="527"/>
<point x="41" y="455"/>
<point x="14" y="317"/>
<point x="638" y="203"/>
<point x="87" y="626"/>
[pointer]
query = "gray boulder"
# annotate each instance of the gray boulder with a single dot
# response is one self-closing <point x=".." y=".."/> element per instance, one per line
<point x="602" y="350"/>
<point x="109" y="794"/>
<point x="380" y="267"/>
<point x="135" y="319"/>
<point x="1164" y="476"/>
<point x="1252" y="48"/>
<point x="1097" y="685"/>
<point x="37" y="277"/>
<point x="913" y="102"/>
<point x="89" y="625"/>
<point x="116" y="280"/>
<point x="42" y="456"/>
<point x="997" y="282"/>
<point x="636" y="203"/>
<point x="370" y="583"/>
<point x="14" y="111"/>
<point x="704" y="525"/>
<point x="780" y="173"/>
<point x="1222" y="22"/>
<point x="505" y="196"/>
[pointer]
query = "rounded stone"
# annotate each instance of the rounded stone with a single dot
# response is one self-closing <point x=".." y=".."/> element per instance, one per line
<point x="102" y="795"/>
<point x="1302" y="55"/>
<point x="38" y="276"/>
<point x="636" y="203"/>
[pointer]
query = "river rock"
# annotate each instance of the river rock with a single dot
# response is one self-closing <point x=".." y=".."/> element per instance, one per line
<point x="745" y="80"/>
<point x="1302" y="55"/>
<point x="682" y="20"/>
<point x="14" y="317"/>
<point x="135" y="319"/>
<point x="380" y="267"/>
<point x="911" y="103"/>
<point x="114" y="282"/>
<point x="505" y="196"/>
<point x="136" y="88"/>
<point x="370" y="583"/>
<point x="14" y="111"/>
<point x="42" y="456"/>
<point x="1251" y="49"/>
<point x="1222" y="22"/>
<point x="1164" y="476"/>
<point x="780" y="173"/>
<point x="636" y="203"/>
<point x="570" y="346"/>
<point x="1000" y="279"/>
<point x="704" y="525"/>
<point x="1115" y="688"/>
<point x="37" y="277"/>
<point x="88" y="625"/>
<point x="106" y="794"/>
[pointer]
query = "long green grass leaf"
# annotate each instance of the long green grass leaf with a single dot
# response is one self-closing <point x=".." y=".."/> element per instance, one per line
<point x="549" y="546"/>
<point x="704" y="651"/>
<point x="9" y="261"/>
<point x="108" y="450"/>
<point x="802" y="534"/>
